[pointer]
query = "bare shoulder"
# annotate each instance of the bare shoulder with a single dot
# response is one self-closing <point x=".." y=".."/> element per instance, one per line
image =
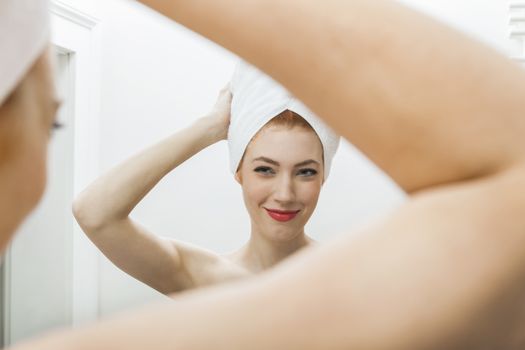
<point x="204" y="267"/>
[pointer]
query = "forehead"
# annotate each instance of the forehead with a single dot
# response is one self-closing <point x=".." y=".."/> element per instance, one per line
<point x="286" y="144"/>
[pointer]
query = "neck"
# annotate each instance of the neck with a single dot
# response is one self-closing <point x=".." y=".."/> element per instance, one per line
<point x="260" y="253"/>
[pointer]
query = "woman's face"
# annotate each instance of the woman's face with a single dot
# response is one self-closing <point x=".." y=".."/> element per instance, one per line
<point x="26" y="119"/>
<point x="281" y="176"/>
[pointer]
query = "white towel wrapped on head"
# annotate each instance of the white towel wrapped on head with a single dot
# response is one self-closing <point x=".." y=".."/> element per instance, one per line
<point x="257" y="98"/>
<point x="24" y="34"/>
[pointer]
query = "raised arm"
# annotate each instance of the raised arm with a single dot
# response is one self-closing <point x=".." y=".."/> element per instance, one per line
<point x="439" y="273"/>
<point x="103" y="208"/>
<point x="415" y="96"/>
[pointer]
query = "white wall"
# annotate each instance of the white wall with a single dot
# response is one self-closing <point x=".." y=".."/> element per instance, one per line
<point x="157" y="77"/>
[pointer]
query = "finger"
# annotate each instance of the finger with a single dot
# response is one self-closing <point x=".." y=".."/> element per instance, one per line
<point x="226" y="94"/>
<point x="226" y="87"/>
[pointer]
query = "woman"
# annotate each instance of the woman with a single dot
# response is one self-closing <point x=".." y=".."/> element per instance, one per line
<point x="28" y="105"/>
<point x="280" y="189"/>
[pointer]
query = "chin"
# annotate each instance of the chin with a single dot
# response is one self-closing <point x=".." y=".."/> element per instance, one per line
<point x="283" y="235"/>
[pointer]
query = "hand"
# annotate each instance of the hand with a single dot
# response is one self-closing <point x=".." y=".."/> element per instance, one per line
<point x="218" y="118"/>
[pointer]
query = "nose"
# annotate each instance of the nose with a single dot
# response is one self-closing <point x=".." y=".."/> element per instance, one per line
<point x="284" y="190"/>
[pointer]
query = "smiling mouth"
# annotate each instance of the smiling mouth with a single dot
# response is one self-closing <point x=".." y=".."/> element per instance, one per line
<point x="282" y="215"/>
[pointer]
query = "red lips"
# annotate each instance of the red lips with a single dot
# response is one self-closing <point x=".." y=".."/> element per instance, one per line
<point x="282" y="215"/>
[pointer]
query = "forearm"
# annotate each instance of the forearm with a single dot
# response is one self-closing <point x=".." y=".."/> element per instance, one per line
<point x="113" y="195"/>
<point x="416" y="96"/>
<point x="411" y="281"/>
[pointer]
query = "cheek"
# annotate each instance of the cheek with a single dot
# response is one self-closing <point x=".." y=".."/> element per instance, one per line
<point x="309" y="192"/>
<point x="255" y="191"/>
<point x="32" y="172"/>
<point x="22" y="181"/>
<point x="28" y="163"/>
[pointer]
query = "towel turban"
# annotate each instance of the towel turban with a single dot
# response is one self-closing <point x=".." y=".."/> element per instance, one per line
<point x="257" y="98"/>
<point x="24" y="34"/>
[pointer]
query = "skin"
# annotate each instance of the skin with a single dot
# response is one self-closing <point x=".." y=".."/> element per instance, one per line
<point x="26" y="119"/>
<point x="443" y="271"/>
<point x="172" y="266"/>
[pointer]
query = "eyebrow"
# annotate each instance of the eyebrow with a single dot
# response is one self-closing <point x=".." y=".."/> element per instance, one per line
<point x="271" y="161"/>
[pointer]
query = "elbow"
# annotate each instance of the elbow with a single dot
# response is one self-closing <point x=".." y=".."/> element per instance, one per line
<point x="87" y="215"/>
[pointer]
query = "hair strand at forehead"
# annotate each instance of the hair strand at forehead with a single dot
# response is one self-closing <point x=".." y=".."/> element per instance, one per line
<point x="289" y="119"/>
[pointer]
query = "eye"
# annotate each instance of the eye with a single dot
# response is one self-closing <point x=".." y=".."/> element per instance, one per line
<point x="308" y="172"/>
<point x="55" y="126"/>
<point x="264" y="170"/>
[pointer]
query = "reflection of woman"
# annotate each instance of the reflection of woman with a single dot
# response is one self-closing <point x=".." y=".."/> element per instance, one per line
<point x="279" y="158"/>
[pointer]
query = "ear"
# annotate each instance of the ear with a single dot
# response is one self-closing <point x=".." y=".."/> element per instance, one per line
<point x="238" y="177"/>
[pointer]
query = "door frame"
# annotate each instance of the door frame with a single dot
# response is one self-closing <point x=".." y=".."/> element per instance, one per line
<point x="517" y="28"/>
<point x="78" y="34"/>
